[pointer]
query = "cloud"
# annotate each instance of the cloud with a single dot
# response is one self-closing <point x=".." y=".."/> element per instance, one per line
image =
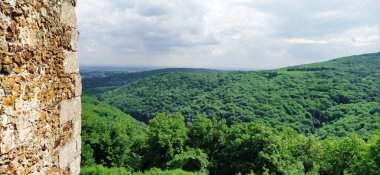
<point x="335" y="14"/>
<point x="305" y="41"/>
<point x="361" y="35"/>
<point x="367" y="39"/>
<point x="224" y="33"/>
<point x="365" y="35"/>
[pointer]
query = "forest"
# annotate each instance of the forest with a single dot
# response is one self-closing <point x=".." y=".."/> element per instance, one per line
<point x="321" y="118"/>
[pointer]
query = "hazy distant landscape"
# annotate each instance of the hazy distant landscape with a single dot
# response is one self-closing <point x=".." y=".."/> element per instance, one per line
<point x="321" y="118"/>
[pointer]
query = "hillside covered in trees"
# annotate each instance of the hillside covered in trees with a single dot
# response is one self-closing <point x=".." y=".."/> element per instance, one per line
<point x="321" y="118"/>
<point x="335" y="97"/>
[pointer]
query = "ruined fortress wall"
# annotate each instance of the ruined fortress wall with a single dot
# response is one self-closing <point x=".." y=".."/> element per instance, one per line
<point x="40" y="88"/>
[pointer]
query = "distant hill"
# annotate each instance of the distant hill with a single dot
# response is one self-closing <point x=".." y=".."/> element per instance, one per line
<point x="93" y="108"/>
<point x="102" y="81"/>
<point x="344" y="93"/>
<point x="86" y="68"/>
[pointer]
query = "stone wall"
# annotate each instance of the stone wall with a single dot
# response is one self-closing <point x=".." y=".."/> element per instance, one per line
<point x="40" y="88"/>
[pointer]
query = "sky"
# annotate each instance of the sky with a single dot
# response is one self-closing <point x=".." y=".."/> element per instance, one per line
<point x="225" y="34"/>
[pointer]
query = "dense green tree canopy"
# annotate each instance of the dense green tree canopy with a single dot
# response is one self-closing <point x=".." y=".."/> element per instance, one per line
<point x="109" y="136"/>
<point x="329" y="98"/>
<point x="321" y="118"/>
<point x="243" y="148"/>
<point x="166" y="138"/>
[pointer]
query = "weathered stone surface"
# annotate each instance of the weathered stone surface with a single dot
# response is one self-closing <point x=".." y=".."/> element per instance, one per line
<point x="69" y="110"/>
<point x="74" y="39"/>
<point x="71" y="62"/>
<point x="67" y="154"/>
<point x="8" y="139"/>
<point x="77" y="85"/>
<point x="75" y="166"/>
<point x="79" y="145"/>
<point x="68" y="17"/>
<point x="77" y="127"/>
<point x="28" y="36"/>
<point x="3" y="43"/>
<point x="40" y="88"/>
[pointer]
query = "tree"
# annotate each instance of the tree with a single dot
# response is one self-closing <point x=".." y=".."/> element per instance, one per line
<point x="191" y="160"/>
<point x="109" y="136"/>
<point x="247" y="149"/>
<point x="375" y="152"/>
<point x="337" y="156"/>
<point x="208" y="135"/>
<point x="166" y="138"/>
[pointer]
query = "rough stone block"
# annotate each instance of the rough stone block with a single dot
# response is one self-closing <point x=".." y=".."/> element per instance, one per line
<point x="77" y="85"/>
<point x="70" y="109"/>
<point x="77" y="126"/>
<point x="73" y="2"/>
<point x="71" y="62"/>
<point x="79" y="145"/>
<point x="74" y="40"/>
<point x="75" y="166"/>
<point x="67" y="154"/>
<point x="68" y="17"/>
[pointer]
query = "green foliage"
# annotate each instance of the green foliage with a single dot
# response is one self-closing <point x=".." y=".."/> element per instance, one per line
<point x="192" y="160"/>
<point x="293" y="153"/>
<point x="348" y="155"/>
<point x="207" y="134"/>
<point x="312" y="119"/>
<point x="100" y="170"/>
<point x="314" y="98"/>
<point x="335" y="155"/>
<point x="97" y="82"/>
<point x="247" y="149"/>
<point x="166" y="138"/>
<point x="243" y="148"/>
<point x="110" y="137"/>
<point x="156" y="171"/>
<point x="375" y="151"/>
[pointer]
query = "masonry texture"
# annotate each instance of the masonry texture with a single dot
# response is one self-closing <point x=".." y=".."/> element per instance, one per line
<point x="40" y="88"/>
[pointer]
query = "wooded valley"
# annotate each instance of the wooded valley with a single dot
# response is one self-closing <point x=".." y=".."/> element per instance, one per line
<point x="321" y="118"/>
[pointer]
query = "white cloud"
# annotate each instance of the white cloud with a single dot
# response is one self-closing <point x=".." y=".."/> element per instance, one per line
<point x="335" y="14"/>
<point x="224" y="33"/>
<point x="358" y="35"/>
<point x="218" y="51"/>
<point x="367" y="39"/>
<point x="305" y="41"/>
<point x="364" y="35"/>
